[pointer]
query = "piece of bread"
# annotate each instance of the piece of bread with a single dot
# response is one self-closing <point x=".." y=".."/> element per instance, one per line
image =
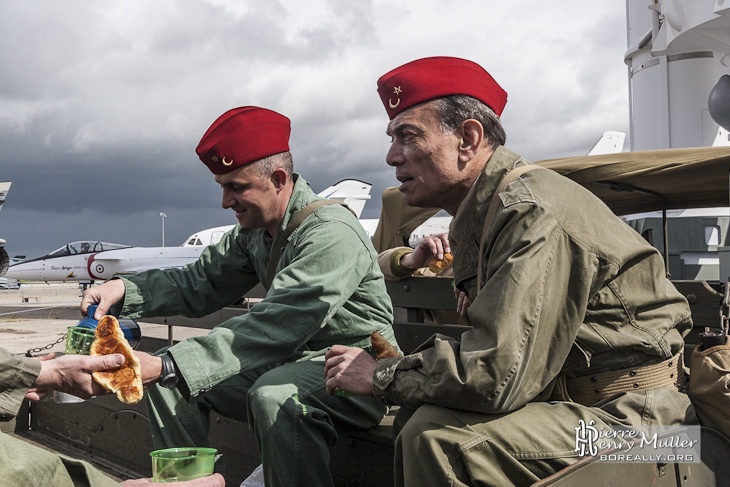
<point x="382" y="347"/>
<point x="437" y="265"/>
<point x="125" y="381"/>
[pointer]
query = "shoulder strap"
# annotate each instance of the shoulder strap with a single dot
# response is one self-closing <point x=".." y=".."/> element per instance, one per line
<point x="492" y="211"/>
<point x="277" y="248"/>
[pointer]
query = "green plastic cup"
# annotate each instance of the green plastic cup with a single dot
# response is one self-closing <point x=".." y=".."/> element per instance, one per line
<point x="178" y="464"/>
<point x="78" y="340"/>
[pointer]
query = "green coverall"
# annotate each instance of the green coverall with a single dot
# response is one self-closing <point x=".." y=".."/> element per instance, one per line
<point x="267" y="366"/>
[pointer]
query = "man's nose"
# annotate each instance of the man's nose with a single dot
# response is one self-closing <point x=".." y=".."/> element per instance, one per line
<point x="394" y="155"/>
<point x="226" y="200"/>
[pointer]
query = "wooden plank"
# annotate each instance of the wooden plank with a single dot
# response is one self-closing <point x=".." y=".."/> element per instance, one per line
<point x="423" y="292"/>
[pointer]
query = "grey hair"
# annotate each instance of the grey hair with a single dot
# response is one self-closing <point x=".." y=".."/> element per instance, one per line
<point x="264" y="168"/>
<point x="454" y="110"/>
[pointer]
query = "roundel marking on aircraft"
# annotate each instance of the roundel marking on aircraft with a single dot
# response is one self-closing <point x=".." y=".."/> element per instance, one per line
<point x="98" y="268"/>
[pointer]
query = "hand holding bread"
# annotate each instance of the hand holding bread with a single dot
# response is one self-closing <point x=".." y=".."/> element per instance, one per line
<point x="429" y="251"/>
<point x="125" y="381"/>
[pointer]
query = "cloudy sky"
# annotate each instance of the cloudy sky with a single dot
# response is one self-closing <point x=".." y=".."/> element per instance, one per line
<point x="103" y="103"/>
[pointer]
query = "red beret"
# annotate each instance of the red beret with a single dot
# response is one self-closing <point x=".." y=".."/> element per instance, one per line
<point x="243" y="135"/>
<point x="435" y="77"/>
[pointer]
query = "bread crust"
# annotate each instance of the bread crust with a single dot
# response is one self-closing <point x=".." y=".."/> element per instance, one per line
<point x="436" y="265"/>
<point x="382" y="347"/>
<point x="125" y="381"/>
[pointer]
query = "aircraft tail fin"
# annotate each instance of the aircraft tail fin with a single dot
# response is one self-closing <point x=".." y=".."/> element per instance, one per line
<point x="722" y="139"/>
<point x="351" y="192"/>
<point x="611" y="142"/>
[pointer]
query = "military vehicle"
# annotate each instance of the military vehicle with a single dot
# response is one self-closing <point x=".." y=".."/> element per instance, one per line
<point x="116" y="437"/>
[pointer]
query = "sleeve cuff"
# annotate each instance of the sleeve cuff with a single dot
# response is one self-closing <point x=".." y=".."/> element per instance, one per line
<point x="193" y="380"/>
<point x="383" y="376"/>
<point x="396" y="268"/>
<point x="131" y="304"/>
<point x="11" y="398"/>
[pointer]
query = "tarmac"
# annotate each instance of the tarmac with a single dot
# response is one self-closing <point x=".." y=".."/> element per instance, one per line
<point x="37" y="315"/>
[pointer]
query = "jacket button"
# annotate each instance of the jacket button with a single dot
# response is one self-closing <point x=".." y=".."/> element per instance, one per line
<point x="383" y="376"/>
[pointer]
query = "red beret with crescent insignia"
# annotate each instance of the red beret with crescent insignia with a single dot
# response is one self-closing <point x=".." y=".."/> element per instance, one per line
<point x="243" y="135"/>
<point x="435" y="77"/>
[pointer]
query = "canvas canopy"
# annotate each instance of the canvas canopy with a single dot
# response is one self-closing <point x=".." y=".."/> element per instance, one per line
<point x="637" y="182"/>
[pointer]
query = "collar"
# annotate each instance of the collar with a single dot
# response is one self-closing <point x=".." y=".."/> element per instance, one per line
<point x="466" y="227"/>
<point x="301" y="196"/>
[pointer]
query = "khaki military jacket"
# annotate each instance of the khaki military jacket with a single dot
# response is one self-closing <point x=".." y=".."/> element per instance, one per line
<point x="17" y="375"/>
<point x="328" y="290"/>
<point x="569" y="287"/>
<point x="23" y="463"/>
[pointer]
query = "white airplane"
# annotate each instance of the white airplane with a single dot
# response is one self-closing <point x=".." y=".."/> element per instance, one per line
<point x="88" y="261"/>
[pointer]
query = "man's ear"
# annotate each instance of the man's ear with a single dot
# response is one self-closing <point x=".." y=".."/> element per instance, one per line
<point x="279" y="178"/>
<point x="472" y="136"/>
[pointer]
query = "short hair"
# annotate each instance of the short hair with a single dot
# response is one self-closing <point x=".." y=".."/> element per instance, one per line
<point x="263" y="168"/>
<point x="454" y="110"/>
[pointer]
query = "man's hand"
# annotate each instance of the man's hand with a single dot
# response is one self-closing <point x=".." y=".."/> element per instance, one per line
<point x="350" y="369"/>
<point x="427" y="248"/>
<point x="215" y="480"/>
<point x="72" y="374"/>
<point x="35" y="394"/>
<point x="103" y="296"/>
<point x="462" y="302"/>
<point x="151" y="366"/>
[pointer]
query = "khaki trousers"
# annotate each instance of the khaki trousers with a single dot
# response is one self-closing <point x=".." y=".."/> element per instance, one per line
<point x="22" y="464"/>
<point x="437" y="446"/>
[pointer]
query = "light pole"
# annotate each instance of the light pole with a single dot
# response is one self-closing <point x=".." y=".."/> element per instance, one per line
<point x="163" y="228"/>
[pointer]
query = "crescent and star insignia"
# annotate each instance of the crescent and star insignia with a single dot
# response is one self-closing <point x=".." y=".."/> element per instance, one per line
<point x="227" y="163"/>
<point x="397" y="91"/>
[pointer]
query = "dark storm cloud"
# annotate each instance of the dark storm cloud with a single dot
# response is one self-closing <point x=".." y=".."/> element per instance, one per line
<point x="102" y="104"/>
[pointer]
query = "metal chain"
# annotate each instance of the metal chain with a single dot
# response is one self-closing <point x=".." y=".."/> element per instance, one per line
<point x="30" y="352"/>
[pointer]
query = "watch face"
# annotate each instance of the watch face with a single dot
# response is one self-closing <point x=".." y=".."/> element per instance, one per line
<point x="169" y="381"/>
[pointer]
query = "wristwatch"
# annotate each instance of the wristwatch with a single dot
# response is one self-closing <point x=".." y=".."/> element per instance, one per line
<point x="168" y="377"/>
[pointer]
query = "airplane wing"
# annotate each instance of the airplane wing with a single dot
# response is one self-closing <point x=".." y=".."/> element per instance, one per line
<point x="352" y="192"/>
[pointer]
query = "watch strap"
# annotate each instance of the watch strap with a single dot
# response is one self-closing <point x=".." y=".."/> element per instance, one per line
<point x="168" y="377"/>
